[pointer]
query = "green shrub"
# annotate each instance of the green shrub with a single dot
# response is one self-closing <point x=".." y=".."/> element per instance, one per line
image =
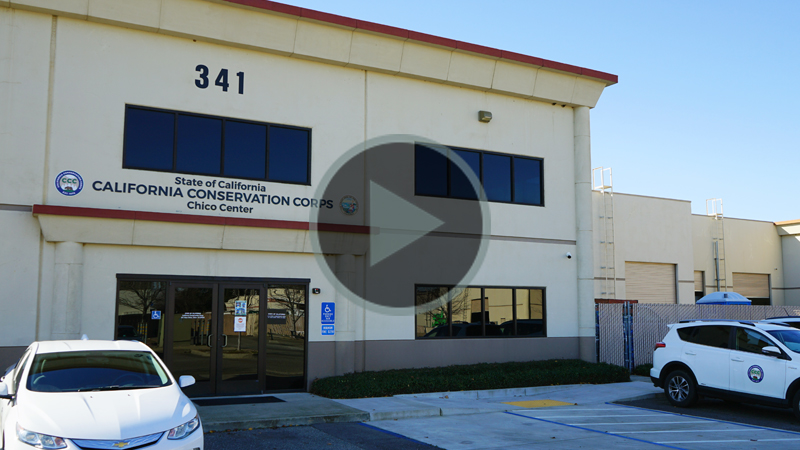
<point x="467" y="378"/>
<point x="642" y="370"/>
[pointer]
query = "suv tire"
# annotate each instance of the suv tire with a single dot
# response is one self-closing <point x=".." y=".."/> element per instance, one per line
<point x="681" y="390"/>
<point x="796" y="404"/>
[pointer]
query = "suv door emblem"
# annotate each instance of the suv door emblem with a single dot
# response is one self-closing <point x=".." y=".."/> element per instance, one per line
<point x="755" y="373"/>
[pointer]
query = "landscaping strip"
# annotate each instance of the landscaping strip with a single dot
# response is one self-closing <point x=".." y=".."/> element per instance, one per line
<point x="470" y="377"/>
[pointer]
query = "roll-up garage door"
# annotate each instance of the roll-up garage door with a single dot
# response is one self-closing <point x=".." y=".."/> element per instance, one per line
<point x="753" y="285"/>
<point x="650" y="282"/>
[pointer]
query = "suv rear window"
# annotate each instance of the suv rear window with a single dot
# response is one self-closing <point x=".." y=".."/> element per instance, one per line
<point x="711" y="335"/>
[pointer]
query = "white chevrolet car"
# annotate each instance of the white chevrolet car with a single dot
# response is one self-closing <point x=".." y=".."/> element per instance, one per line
<point x="749" y="362"/>
<point x="95" y="395"/>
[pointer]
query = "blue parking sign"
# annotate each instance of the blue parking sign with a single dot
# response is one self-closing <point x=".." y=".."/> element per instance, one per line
<point x="328" y="313"/>
<point x="155" y="315"/>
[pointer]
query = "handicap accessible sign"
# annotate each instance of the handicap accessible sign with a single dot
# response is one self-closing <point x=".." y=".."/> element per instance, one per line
<point x="328" y="318"/>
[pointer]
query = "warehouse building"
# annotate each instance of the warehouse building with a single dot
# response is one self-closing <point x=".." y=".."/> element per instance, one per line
<point x="267" y="195"/>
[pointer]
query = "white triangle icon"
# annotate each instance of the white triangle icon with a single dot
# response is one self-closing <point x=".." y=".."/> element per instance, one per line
<point x="399" y="221"/>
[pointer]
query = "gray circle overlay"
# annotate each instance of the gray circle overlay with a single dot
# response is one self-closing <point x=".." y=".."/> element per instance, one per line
<point x="380" y="238"/>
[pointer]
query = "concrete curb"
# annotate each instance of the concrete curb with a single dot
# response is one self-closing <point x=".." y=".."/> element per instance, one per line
<point x="284" y="422"/>
<point x="492" y="393"/>
<point x="639" y="397"/>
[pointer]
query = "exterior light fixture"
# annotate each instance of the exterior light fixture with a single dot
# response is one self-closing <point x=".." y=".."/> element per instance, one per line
<point x="484" y="116"/>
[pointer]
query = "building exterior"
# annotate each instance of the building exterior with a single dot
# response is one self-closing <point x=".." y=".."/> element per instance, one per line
<point x="664" y="254"/>
<point x="165" y="164"/>
<point x="162" y="159"/>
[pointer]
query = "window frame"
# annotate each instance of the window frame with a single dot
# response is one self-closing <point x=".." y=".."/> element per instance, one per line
<point x="481" y="153"/>
<point x="483" y="289"/>
<point x="224" y="119"/>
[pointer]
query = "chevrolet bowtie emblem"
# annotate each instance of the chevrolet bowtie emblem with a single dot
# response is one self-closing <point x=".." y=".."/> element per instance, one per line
<point x="121" y="444"/>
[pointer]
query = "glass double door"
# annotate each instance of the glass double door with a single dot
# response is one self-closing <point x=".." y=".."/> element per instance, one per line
<point x="236" y="339"/>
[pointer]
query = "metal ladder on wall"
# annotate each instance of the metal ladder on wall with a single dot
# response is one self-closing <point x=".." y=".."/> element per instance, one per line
<point x="602" y="181"/>
<point x="714" y="209"/>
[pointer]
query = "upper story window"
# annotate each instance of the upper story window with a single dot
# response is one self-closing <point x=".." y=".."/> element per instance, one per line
<point x="172" y="141"/>
<point x="505" y="178"/>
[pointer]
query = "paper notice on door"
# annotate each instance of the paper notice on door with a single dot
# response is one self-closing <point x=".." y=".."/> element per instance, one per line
<point x="240" y="324"/>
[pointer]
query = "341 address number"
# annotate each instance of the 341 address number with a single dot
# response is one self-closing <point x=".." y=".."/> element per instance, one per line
<point x="202" y="80"/>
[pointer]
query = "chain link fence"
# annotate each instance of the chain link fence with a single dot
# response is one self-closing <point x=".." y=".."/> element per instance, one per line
<point x="627" y="332"/>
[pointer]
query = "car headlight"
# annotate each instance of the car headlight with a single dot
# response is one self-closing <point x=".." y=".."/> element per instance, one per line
<point x="181" y="431"/>
<point x="39" y="440"/>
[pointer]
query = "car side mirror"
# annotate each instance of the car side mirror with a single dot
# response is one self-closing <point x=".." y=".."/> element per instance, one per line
<point x="4" y="391"/>
<point x="771" y="350"/>
<point x="186" y="380"/>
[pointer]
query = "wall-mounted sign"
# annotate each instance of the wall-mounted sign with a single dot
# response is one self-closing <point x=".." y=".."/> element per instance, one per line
<point x="69" y="183"/>
<point x="202" y="194"/>
<point x="155" y="315"/>
<point x="327" y="330"/>
<point x="328" y="313"/>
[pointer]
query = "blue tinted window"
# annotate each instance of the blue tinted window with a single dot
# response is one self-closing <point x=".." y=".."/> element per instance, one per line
<point x="460" y="185"/>
<point x="430" y="168"/>
<point x="288" y="154"/>
<point x="199" y="145"/>
<point x="497" y="177"/>
<point x="245" y="150"/>
<point x="188" y="143"/>
<point x="149" y="139"/>
<point x="527" y="181"/>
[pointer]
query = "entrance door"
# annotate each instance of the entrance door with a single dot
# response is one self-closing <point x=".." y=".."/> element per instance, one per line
<point x="193" y="335"/>
<point x="241" y="346"/>
<point x="233" y="337"/>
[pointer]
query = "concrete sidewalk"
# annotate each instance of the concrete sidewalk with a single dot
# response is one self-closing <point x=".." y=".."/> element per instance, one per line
<point x="307" y="409"/>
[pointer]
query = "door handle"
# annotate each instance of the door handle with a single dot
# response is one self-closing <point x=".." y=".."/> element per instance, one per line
<point x="691" y="353"/>
<point x="225" y="341"/>
<point x="208" y="340"/>
<point x="737" y="359"/>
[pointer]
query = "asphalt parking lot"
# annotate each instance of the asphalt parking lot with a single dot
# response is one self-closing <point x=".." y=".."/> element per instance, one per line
<point x="329" y="436"/>
<point x="589" y="427"/>
<point x="711" y="408"/>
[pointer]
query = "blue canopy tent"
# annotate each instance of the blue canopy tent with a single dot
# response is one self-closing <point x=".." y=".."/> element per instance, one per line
<point x="724" y="298"/>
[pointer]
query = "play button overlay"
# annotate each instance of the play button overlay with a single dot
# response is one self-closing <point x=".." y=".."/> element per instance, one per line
<point x="407" y="212"/>
<point x="400" y="221"/>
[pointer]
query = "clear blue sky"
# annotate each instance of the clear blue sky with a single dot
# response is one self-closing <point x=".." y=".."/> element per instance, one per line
<point x="708" y="100"/>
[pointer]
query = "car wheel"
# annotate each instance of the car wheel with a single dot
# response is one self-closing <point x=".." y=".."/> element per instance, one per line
<point x="796" y="405"/>
<point x="680" y="389"/>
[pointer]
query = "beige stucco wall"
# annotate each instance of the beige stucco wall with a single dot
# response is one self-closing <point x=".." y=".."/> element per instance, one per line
<point x="750" y="247"/>
<point x="20" y="248"/>
<point x="64" y="95"/>
<point x="648" y="230"/>
<point x="790" y="246"/>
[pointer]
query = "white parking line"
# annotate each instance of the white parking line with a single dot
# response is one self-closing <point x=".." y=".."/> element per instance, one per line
<point x="585" y="424"/>
<point x="728" y="440"/>
<point x="604" y="415"/>
<point x="681" y="431"/>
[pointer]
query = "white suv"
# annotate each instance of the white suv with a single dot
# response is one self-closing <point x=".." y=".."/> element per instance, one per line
<point x="750" y="362"/>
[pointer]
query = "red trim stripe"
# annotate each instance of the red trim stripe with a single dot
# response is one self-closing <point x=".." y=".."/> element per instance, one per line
<point x="422" y="37"/>
<point x="195" y="219"/>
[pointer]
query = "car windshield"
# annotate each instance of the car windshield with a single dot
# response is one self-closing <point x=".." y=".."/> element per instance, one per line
<point x="95" y="371"/>
<point x="789" y="338"/>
